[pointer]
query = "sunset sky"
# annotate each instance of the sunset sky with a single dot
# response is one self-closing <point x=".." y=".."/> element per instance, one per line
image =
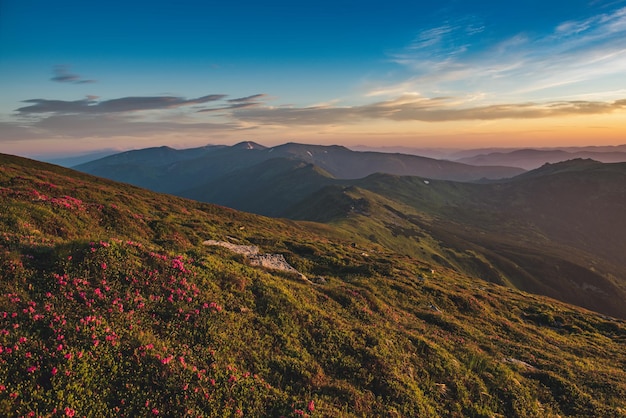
<point x="80" y="76"/>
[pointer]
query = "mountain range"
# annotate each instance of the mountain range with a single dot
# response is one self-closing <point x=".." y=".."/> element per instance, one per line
<point x="526" y="158"/>
<point x="128" y="302"/>
<point x="558" y="230"/>
<point x="172" y="171"/>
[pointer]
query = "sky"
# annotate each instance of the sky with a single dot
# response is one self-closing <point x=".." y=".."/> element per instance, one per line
<point x="79" y="76"/>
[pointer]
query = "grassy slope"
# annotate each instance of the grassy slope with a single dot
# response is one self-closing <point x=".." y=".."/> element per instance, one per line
<point x="558" y="231"/>
<point x="266" y="188"/>
<point x="110" y="305"/>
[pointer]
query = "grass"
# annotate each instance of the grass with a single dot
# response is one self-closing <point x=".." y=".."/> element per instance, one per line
<point x="111" y="306"/>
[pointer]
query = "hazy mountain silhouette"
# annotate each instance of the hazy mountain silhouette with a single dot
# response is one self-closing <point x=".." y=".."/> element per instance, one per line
<point x="530" y="159"/>
<point x="175" y="171"/>
<point x="73" y="160"/>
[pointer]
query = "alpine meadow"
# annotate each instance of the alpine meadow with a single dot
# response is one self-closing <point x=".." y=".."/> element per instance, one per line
<point x="338" y="208"/>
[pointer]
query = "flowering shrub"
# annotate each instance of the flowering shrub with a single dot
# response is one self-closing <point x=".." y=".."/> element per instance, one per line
<point x="89" y="332"/>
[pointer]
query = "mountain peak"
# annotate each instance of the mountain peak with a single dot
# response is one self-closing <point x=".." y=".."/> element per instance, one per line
<point x="576" y="164"/>
<point x="248" y="145"/>
<point x="295" y="147"/>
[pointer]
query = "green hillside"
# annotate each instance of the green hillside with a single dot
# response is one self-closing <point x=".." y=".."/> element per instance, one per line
<point x="266" y="188"/>
<point x="559" y="231"/>
<point x="111" y="305"/>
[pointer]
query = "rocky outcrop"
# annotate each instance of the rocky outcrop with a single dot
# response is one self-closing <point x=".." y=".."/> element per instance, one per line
<point x="247" y="250"/>
<point x="269" y="261"/>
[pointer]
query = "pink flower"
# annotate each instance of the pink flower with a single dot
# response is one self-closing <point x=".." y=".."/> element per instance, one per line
<point x="155" y="411"/>
<point x="31" y="369"/>
<point x="178" y="265"/>
<point x="69" y="412"/>
<point x="54" y="371"/>
<point x="311" y="406"/>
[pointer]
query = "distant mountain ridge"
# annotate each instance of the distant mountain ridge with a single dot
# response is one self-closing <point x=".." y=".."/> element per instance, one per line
<point x="602" y="153"/>
<point x="530" y="159"/>
<point x="174" y="171"/>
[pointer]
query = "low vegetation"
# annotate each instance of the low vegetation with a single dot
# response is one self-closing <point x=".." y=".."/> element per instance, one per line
<point x="533" y="232"/>
<point x="110" y="305"/>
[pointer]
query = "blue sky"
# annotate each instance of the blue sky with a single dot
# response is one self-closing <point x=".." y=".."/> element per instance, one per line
<point x="77" y="76"/>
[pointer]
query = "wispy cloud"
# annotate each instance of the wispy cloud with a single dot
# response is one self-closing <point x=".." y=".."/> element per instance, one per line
<point x="417" y="108"/>
<point x="445" y="41"/>
<point x="231" y="106"/>
<point x="103" y="126"/>
<point x="238" y="103"/>
<point x="124" y="104"/>
<point x="254" y="97"/>
<point x="62" y="74"/>
<point x="453" y="58"/>
<point x="125" y="116"/>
